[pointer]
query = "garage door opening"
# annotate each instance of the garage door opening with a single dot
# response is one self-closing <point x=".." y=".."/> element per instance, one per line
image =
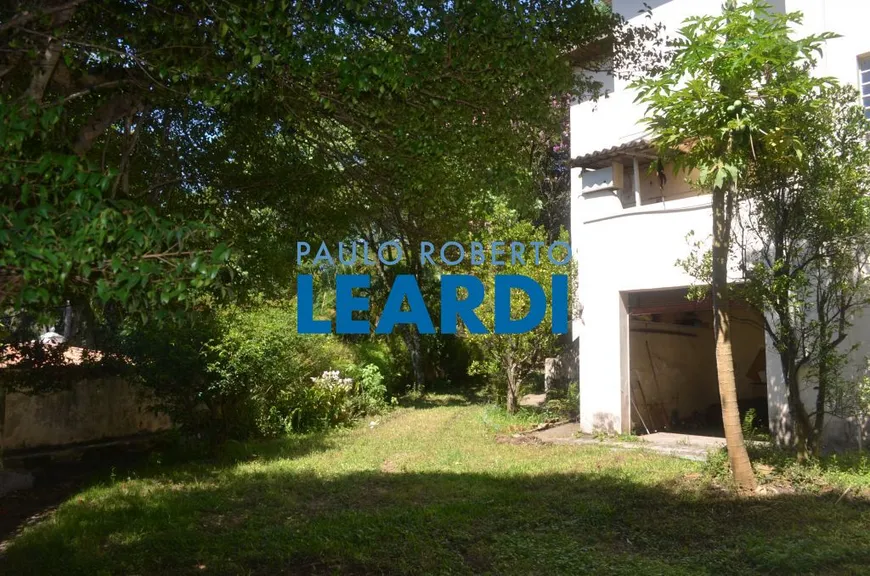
<point x="672" y="364"/>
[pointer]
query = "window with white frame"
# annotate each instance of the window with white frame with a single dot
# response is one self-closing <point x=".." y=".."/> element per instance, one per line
<point x="864" y="81"/>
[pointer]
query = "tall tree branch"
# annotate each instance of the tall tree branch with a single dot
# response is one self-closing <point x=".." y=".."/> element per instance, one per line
<point x="112" y="111"/>
<point x="27" y="17"/>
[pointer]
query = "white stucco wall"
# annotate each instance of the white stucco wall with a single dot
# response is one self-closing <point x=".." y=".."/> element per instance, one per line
<point x="620" y="250"/>
<point x="614" y="120"/>
<point x="630" y="250"/>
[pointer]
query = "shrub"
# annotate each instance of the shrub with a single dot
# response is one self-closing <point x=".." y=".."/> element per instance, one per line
<point x="509" y="361"/>
<point x="324" y="403"/>
<point x="172" y="360"/>
<point x="370" y="392"/>
<point x="258" y="355"/>
<point x="717" y="466"/>
<point x="240" y="372"/>
<point x="388" y="354"/>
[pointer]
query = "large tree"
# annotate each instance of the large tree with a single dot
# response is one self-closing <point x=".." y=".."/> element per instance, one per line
<point x="136" y="136"/>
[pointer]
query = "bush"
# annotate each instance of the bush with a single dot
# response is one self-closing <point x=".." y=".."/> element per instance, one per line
<point x="388" y="354"/>
<point x="509" y="362"/>
<point x="326" y="402"/>
<point x="258" y="356"/>
<point x="717" y="466"/>
<point x="243" y="372"/>
<point x="369" y="392"/>
<point x="172" y="360"/>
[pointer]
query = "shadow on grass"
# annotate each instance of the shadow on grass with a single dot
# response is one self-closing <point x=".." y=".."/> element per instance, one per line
<point x="58" y="480"/>
<point x="281" y="522"/>
<point x="290" y="446"/>
<point x="55" y="481"/>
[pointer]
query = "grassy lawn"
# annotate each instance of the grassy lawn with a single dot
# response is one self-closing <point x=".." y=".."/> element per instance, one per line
<point x="431" y="490"/>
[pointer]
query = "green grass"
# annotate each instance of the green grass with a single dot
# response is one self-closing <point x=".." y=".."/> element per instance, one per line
<point x="431" y="490"/>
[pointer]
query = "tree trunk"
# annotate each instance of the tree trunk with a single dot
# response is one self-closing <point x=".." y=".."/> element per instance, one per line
<point x="800" y="421"/>
<point x="68" y="331"/>
<point x="511" y="388"/>
<point x="740" y="465"/>
<point x="815" y="442"/>
<point x="45" y="69"/>
<point x="411" y="335"/>
<point x="412" y="340"/>
<point x="88" y="326"/>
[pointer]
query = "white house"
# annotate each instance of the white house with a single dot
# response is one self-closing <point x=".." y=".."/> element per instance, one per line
<point x="645" y="351"/>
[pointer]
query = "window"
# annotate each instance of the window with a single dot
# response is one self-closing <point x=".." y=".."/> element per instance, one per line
<point x="864" y="81"/>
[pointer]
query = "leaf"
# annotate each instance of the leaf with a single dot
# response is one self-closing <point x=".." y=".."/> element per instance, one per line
<point x="719" y="179"/>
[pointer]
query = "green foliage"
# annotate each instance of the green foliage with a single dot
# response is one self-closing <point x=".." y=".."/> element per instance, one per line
<point x="66" y="235"/>
<point x="388" y="354"/>
<point x="779" y="467"/>
<point x="142" y="129"/>
<point x="751" y="428"/>
<point x="238" y="372"/>
<point x="370" y="392"/>
<point x="808" y="239"/>
<point x="710" y="109"/>
<point x="172" y="359"/>
<point x="849" y="398"/>
<point x="302" y="407"/>
<point x="564" y="404"/>
<point x="787" y="152"/>
<point x="718" y="467"/>
<point x="748" y="424"/>
<point x="507" y="360"/>
<point x="699" y="265"/>
<point x="258" y="356"/>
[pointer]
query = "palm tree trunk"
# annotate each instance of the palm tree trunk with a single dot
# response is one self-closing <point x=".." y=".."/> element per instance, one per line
<point x="741" y="468"/>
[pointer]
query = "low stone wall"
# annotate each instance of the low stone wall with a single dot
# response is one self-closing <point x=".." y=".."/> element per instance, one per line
<point x="90" y="411"/>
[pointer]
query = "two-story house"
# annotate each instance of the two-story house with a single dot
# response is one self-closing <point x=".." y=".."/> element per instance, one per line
<point x="646" y="353"/>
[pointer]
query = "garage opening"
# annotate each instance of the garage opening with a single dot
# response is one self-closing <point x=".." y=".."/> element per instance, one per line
<point x="672" y="363"/>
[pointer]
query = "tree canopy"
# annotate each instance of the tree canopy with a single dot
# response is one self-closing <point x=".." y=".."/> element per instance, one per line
<point x="154" y="148"/>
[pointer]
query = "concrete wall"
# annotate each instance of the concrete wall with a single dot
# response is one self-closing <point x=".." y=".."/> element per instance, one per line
<point x="848" y="18"/>
<point x="615" y="119"/>
<point x="629" y="250"/>
<point x="91" y="410"/>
